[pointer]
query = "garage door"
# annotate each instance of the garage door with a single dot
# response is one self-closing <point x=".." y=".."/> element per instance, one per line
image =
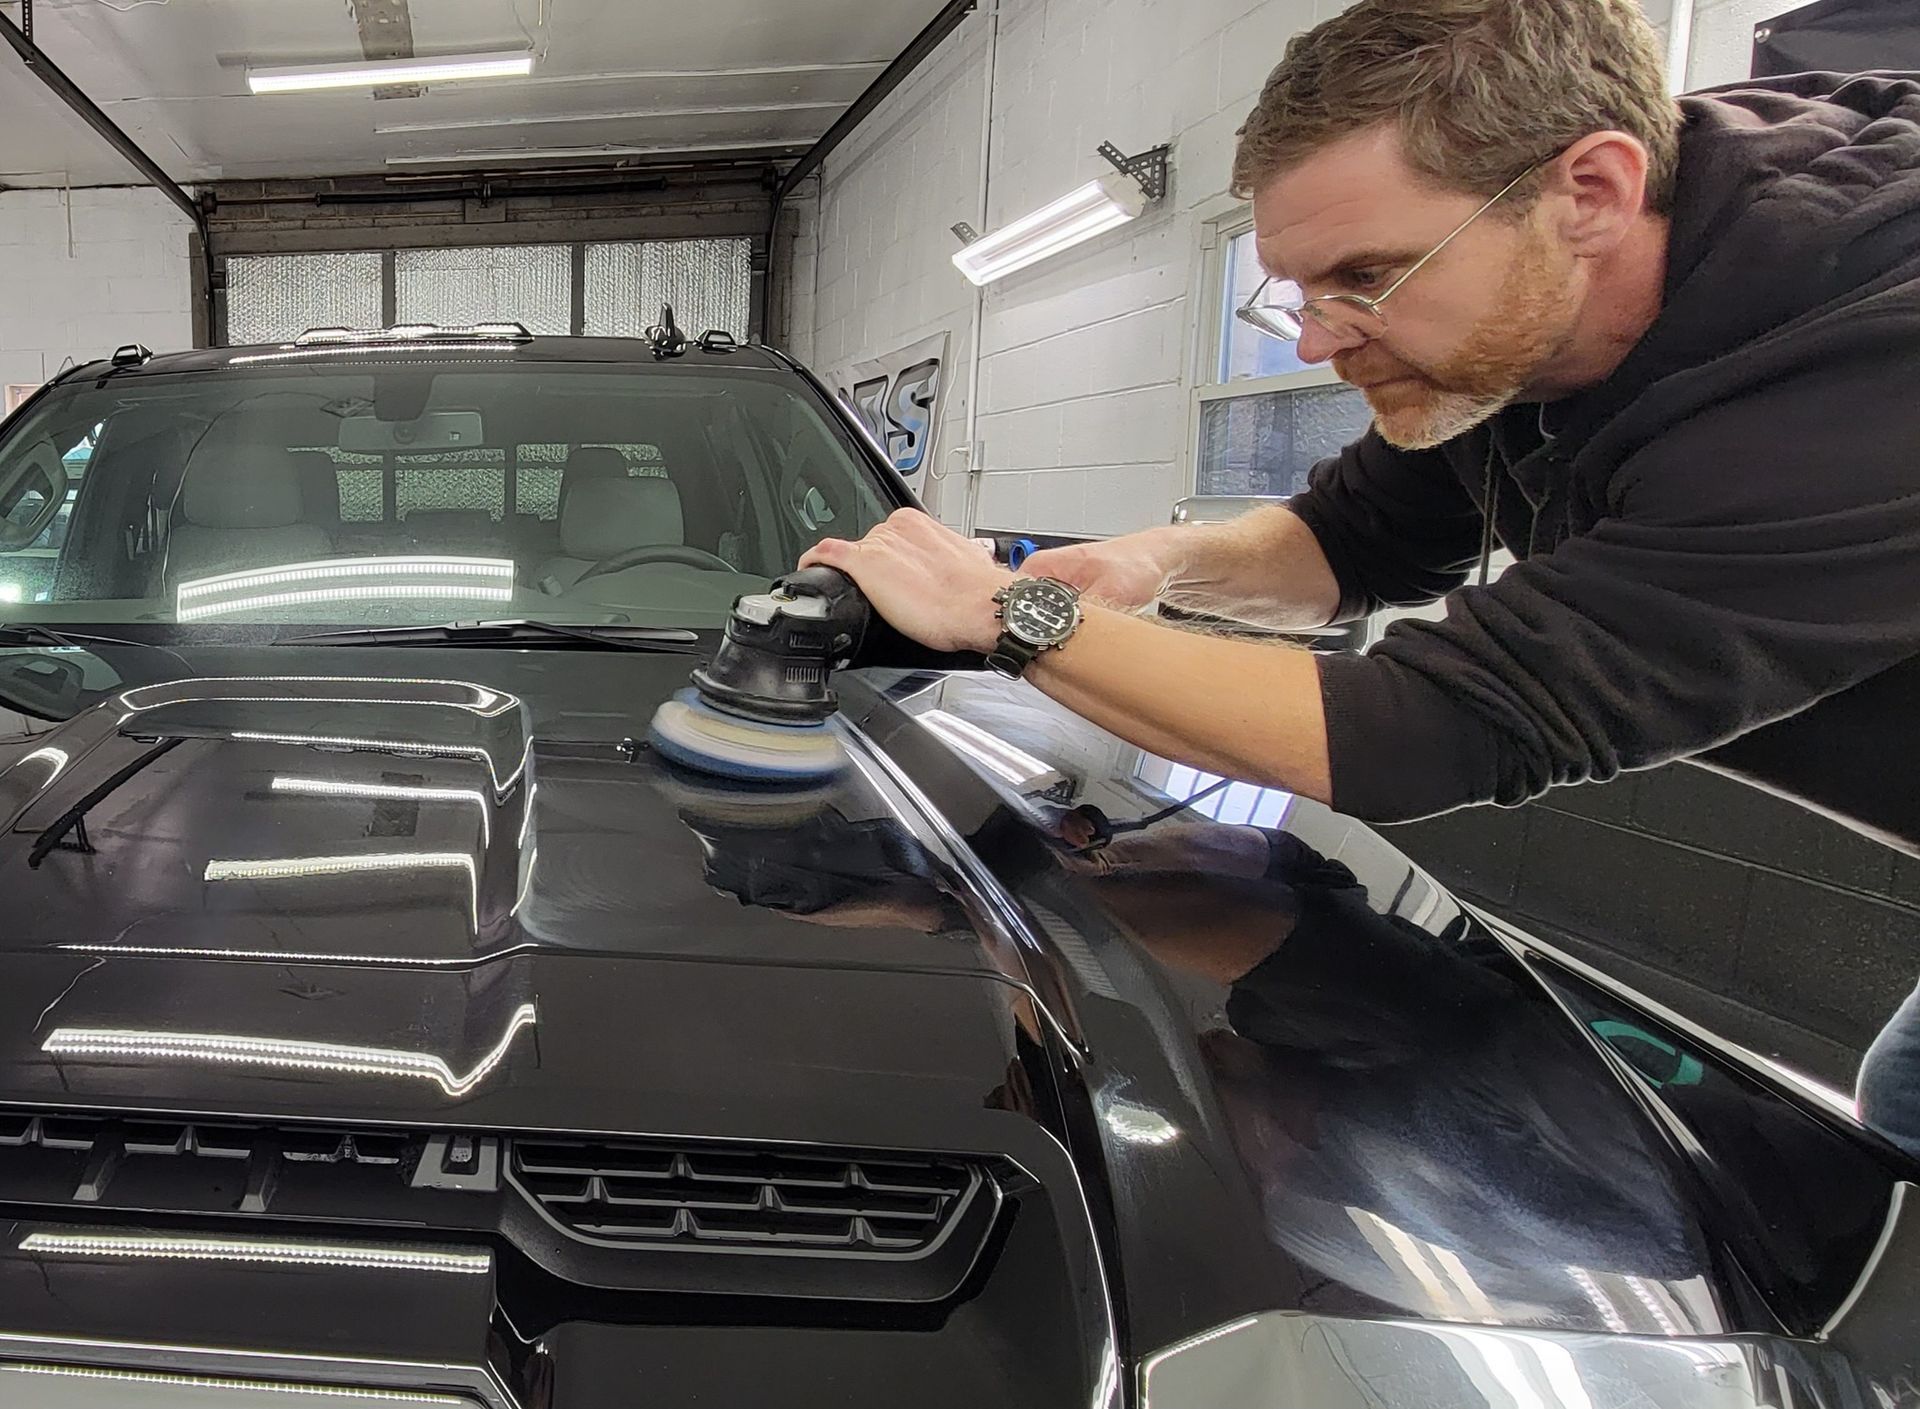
<point x="600" y="289"/>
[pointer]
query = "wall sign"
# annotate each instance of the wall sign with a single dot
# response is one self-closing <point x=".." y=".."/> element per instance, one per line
<point x="897" y="398"/>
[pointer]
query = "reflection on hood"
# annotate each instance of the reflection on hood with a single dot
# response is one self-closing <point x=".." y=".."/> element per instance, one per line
<point x="1422" y="1128"/>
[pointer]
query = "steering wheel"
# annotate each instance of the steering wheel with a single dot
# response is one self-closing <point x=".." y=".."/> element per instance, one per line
<point x="657" y="553"/>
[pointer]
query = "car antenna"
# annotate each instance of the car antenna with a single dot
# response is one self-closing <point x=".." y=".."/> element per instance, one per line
<point x="666" y="337"/>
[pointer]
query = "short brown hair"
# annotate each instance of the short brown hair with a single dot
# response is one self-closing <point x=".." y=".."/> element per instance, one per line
<point x="1479" y="89"/>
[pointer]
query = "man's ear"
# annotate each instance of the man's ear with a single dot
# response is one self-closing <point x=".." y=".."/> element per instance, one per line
<point x="1601" y="181"/>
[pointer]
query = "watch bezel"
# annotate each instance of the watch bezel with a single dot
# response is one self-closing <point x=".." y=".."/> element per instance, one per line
<point x="1037" y="587"/>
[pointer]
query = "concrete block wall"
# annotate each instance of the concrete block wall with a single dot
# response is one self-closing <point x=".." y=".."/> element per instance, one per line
<point x="1088" y="360"/>
<point x="1777" y="927"/>
<point x="1084" y="378"/>
<point x="78" y="281"/>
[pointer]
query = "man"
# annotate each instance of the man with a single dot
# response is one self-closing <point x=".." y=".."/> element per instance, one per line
<point x="1667" y="354"/>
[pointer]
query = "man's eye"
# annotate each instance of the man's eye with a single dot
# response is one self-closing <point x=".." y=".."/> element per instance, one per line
<point x="1365" y="280"/>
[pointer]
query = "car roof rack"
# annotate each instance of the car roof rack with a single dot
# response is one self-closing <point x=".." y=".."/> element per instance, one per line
<point x="413" y="334"/>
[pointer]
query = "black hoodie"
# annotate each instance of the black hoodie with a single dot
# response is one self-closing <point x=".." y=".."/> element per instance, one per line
<point x="1719" y="545"/>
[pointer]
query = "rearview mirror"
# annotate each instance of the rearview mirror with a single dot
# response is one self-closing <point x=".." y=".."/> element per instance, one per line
<point x="33" y="486"/>
<point x="437" y="430"/>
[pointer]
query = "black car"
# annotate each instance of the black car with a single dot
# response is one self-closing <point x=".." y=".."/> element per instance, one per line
<point x="383" y="1022"/>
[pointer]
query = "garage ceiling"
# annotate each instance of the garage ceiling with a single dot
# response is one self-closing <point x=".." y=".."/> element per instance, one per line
<point x="615" y="81"/>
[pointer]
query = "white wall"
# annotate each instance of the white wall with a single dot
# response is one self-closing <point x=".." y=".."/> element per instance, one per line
<point x="1084" y="374"/>
<point x="116" y="273"/>
<point x="1088" y="360"/>
<point x="1721" y="48"/>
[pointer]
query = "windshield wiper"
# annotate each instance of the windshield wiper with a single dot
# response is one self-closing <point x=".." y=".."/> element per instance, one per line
<point x="29" y="633"/>
<point x="507" y="633"/>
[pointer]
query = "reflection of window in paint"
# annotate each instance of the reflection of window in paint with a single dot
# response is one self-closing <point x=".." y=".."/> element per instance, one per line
<point x="1237" y="804"/>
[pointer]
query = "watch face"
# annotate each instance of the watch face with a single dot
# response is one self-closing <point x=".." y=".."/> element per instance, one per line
<point x="1040" y="613"/>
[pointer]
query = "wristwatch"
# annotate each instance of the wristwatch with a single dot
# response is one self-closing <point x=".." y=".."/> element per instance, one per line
<point x="1038" y="614"/>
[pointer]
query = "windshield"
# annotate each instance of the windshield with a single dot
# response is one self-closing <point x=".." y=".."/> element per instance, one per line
<point x="420" y="492"/>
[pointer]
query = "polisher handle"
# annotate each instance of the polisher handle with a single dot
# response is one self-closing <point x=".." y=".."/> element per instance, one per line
<point x="874" y="641"/>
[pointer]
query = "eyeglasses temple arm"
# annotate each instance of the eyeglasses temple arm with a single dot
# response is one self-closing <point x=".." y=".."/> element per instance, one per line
<point x="1415" y="267"/>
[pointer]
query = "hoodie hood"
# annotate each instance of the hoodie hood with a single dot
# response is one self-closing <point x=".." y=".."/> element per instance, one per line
<point x="1798" y="200"/>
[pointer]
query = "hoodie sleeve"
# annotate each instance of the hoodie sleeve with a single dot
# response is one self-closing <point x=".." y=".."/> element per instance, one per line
<point x="1759" y="557"/>
<point x="1397" y="527"/>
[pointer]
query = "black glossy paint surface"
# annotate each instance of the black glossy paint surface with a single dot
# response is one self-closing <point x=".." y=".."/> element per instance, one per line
<point x="1224" y="1069"/>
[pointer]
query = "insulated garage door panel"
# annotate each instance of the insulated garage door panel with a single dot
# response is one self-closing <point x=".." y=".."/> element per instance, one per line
<point x="530" y="284"/>
<point x="707" y="282"/>
<point x="277" y="297"/>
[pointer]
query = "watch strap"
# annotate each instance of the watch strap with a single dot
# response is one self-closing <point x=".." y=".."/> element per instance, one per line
<point x="1011" y="656"/>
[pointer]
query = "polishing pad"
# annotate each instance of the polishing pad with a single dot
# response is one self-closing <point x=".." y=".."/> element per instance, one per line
<point x="695" y="735"/>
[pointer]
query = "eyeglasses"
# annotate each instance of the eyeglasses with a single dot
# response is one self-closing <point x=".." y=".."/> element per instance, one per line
<point x="1280" y="307"/>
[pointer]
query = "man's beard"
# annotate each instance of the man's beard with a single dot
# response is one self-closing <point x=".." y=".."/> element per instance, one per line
<point x="1492" y="368"/>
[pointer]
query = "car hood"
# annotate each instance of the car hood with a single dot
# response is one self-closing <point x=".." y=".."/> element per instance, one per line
<point x="308" y="884"/>
<point x="1274" y="1065"/>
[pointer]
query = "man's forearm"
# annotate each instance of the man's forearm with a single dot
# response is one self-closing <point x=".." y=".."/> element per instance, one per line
<point x="1265" y="567"/>
<point x="1245" y="710"/>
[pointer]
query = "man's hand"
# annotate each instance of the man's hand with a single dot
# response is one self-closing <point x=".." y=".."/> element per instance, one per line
<point x="928" y="582"/>
<point x="1123" y="573"/>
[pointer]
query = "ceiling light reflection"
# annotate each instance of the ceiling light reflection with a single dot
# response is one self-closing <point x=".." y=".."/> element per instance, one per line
<point x="419" y="565"/>
<point x="286" y="1253"/>
<point x="413" y="748"/>
<point x="437" y="591"/>
<point x="56" y="758"/>
<point x="1138" y="1125"/>
<point x="257" y="1391"/>
<point x="390" y="792"/>
<point x="1018" y="767"/>
<point x="283" y="1054"/>
<point x="296" y="956"/>
<point x="297" y="868"/>
<point x="483" y="701"/>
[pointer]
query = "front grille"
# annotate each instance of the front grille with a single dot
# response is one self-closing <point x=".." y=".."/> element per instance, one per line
<point x="621" y="1215"/>
<point x="89" y="1156"/>
<point x="650" y="1195"/>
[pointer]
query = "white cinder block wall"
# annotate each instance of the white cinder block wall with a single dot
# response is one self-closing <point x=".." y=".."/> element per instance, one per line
<point x="116" y="273"/>
<point x="1088" y="361"/>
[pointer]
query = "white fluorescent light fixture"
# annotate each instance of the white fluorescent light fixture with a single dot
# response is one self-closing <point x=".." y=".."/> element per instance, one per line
<point x="1094" y="209"/>
<point x="312" y="78"/>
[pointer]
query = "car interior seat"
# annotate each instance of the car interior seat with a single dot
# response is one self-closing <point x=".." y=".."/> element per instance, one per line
<point x="240" y="504"/>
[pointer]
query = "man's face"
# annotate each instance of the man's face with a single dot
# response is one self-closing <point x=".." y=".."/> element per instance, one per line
<point x="1468" y="334"/>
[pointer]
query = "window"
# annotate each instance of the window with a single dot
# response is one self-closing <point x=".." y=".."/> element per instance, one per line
<point x="600" y="289"/>
<point x="530" y="284"/>
<point x="456" y="480"/>
<point x="1261" y="418"/>
<point x="277" y="297"/>
<point x="708" y="283"/>
<point x="149" y="543"/>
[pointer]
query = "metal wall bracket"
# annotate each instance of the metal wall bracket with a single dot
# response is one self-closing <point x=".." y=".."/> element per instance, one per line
<point x="965" y="233"/>
<point x="1149" y="168"/>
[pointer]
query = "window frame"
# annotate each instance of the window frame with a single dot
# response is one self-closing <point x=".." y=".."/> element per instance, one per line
<point x="1220" y="223"/>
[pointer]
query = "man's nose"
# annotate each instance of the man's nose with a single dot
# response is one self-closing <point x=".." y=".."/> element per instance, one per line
<point x="1318" y="343"/>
